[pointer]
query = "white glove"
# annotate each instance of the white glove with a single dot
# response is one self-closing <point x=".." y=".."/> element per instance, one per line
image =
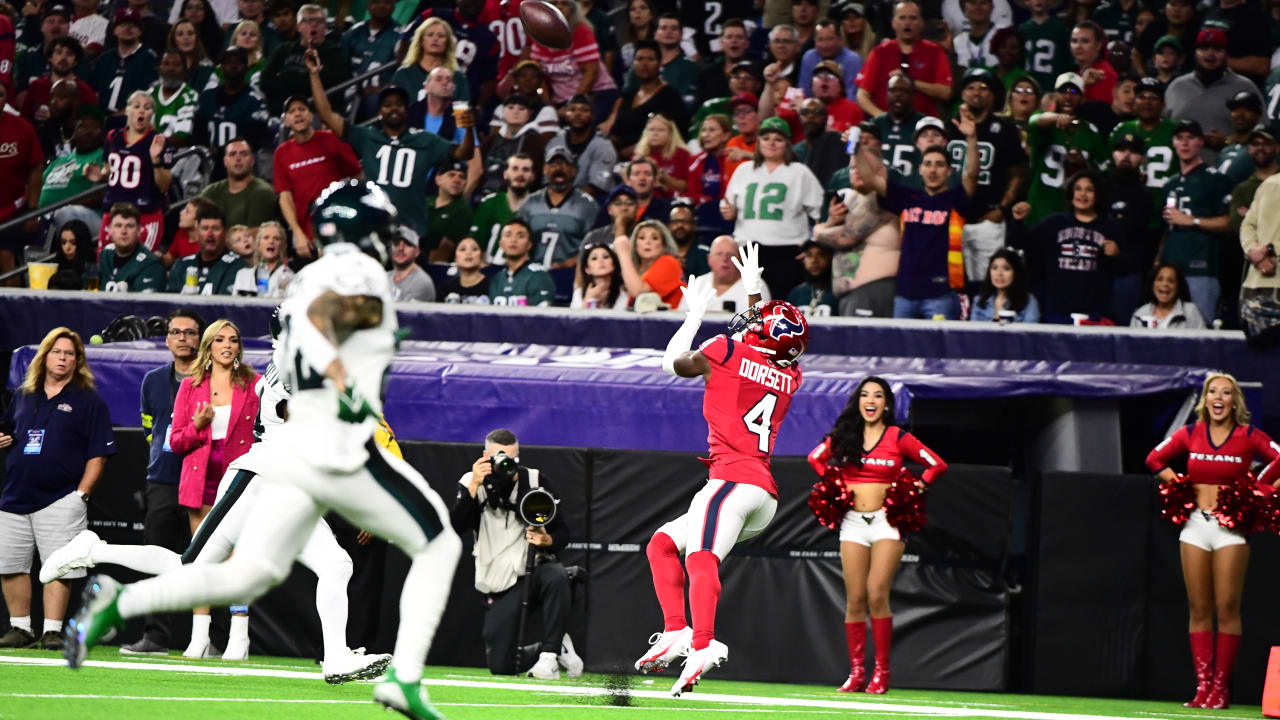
<point x="749" y="267"/>
<point x="698" y="294"/>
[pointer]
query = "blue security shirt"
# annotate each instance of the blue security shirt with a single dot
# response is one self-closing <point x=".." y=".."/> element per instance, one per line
<point x="159" y="388"/>
<point x="53" y="439"/>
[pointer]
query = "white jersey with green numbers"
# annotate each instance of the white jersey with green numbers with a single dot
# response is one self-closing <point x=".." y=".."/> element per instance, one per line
<point x="774" y="208"/>
<point x="178" y="115"/>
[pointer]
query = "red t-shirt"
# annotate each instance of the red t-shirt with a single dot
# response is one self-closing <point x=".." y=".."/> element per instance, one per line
<point x="882" y="463"/>
<point x="677" y="166"/>
<point x="746" y="400"/>
<point x="1104" y="88"/>
<point x="38" y="94"/>
<point x="183" y="244"/>
<point x="927" y="62"/>
<point x="842" y="114"/>
<point x="1225" y="464"/>
<point x="19" y="152"/>
<point x="306" y="169"/>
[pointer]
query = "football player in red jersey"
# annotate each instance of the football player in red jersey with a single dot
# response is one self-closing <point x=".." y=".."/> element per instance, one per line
<point x="751" y="376"/>
<point x="868" y="448"/>
<point x="1219" y="448"/>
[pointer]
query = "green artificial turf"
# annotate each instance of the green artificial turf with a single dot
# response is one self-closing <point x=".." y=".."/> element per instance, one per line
<point x="179" y="691"/>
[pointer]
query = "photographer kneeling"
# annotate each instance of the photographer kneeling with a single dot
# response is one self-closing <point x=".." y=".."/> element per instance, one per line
<point x="489" y="505"/>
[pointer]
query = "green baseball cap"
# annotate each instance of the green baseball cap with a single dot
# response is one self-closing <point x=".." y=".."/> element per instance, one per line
<point x="776" y="124"/>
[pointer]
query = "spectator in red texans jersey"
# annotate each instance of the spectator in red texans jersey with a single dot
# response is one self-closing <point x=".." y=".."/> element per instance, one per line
<point x="870" y="547"/>
<point x="21" y="169"/>
<point x="1220" y="446"/>
<point x="303" y="166"/>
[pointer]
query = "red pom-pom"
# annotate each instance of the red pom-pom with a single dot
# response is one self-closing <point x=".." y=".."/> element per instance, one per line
<point x="1177" y="500"/>
<point x="830" y="499"/>
<point x="1268" y="500"/>
<point x="1237" y="507"/>
<point x="904" y="503"/>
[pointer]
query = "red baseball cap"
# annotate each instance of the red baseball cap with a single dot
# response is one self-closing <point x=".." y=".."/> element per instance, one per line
<point x="128" y="15"/>
<point x="744" y="98"/>
<point x="1211" y="36"/>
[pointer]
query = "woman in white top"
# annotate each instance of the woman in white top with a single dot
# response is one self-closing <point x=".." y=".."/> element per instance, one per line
<point x="597" y="282"/>
<point x="268" y="275"/>
<point x="1168" y="301"/>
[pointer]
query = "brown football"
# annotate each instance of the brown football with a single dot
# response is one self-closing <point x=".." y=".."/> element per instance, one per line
<point x="545" y="24"/>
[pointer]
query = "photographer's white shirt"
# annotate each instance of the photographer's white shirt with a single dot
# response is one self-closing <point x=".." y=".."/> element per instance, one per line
<point x="500" y="549"/>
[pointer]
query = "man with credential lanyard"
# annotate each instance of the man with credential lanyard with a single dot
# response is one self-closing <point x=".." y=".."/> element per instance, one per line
<point x="58" y="435"/>
<point x="165" y="523"/>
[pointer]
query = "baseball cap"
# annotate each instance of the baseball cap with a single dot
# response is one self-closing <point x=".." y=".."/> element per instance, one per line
<point x="407" y="234"/>
<point x="1211" y="36"/>
<point x="1188" y="125"/>
<point x="929" y="121"/>
<point x="744" y="98"/>
<point x="1069" y="79"/>
<point x="1264" y="130"/>
<point x="562" y="152"/>
<point x="519" y="99"/>
<point x="744" y="66"/>
<point x="390" y="90"/>
<point x="1130" y="141"/>
<point x="623" y="189"/>
<point x="829" y="66"/>
<point x="810" y="243"/>
<point x="525" y="64"/>
<point x="581" y="99"/>
<point x="853" y="7"/>
<point x="1245" y="99"/>
<point x="451" y="165"/>
<point x="296" y="99"/>
<point x="776" y="124"/>
<point x="1150" y="85"/>
<point x="58" y="9"/>
<point x="868" y="127"/>
<point x="985" y="77"/>
<point x="1170" y="41"/>
<point x="128" y="15"/>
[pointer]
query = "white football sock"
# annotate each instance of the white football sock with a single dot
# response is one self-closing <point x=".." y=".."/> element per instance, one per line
<point x="239" y="627"/>
<point x="422" y="601"/>
<point x="53" y="626"/>
<point x="22" y="623"/>
<point x="149" y="559"/>
<point x="331" y="605"/>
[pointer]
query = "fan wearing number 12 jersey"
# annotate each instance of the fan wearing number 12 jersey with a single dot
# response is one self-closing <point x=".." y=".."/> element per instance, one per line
<point x="751" y="375"/>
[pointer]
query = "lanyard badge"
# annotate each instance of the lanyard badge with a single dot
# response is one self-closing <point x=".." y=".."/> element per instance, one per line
<point x="35" y="442"/>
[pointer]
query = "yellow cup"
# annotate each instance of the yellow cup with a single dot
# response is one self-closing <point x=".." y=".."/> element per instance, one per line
<point x="39" y="274"/>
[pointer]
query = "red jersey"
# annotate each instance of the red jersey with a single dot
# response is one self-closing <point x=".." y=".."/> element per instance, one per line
<point x="503" y="19"/>
<point x="927" y="62"/>
<point x="1102" y="90"/>
<point x="40" y="88"/>
<point x="677" y="166"/>
<point x="306" y="169"/>
<point x="747" y="398"/>
<point x="882" y="462"/>
<point x="842" y="114"/>
<point x="131" y="176"/>
<point x="19" y="153"/>
<point x="8" y="44"/>
<point x="1225" y="464"/>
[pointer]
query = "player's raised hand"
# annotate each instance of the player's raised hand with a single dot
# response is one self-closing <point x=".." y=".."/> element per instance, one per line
<point x="698" y="294"/>
<point x="748" y="264"/>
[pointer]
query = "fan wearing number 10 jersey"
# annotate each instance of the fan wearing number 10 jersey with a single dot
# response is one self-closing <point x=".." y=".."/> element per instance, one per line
<point x="751" y="375"/>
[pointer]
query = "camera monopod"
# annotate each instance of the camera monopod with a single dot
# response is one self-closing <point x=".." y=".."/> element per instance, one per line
<point x="537" y="508"/>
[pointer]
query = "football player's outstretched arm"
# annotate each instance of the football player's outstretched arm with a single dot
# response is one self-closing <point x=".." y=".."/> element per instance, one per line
<point x="679" y="359"/>
<point x="336" y="317"/>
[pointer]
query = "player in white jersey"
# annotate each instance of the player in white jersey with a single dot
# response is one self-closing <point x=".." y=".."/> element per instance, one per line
<point x="338" y="340"/>
<point x="216" y="537"/>
<point x="771" y="198"/>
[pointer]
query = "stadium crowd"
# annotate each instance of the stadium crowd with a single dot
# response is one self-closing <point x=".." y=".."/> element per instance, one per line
<point x="1120" y="148"/>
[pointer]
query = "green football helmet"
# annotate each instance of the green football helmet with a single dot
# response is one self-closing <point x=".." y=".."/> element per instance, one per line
<point x="356" y="212"/>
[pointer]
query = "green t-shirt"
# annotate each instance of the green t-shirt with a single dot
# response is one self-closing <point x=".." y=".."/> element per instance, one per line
<point x="401" y="166"/>
<point x="492" y="213"/>
<point x="530" y="285"/>
<point x="252" y="206"/>
<point x="65" y="176"/>
<point x="898" y="142"/>
<point x="176" y="118"/>
<point x="1047" y="48"/>
<point x="143" y="272"/>
<point x="1203" y="192"/>
<point x="452" y="221"/>
<point x="1048" y="151"/>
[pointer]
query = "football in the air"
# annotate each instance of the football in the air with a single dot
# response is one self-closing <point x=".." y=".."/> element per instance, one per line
<point x="545" y="24"/>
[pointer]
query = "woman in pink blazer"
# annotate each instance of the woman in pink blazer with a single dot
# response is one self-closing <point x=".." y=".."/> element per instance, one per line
<point x="213" y="417"/>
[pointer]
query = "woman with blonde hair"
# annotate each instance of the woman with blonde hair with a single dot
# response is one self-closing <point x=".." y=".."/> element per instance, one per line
<point x="1220" y="447"/>
<point x="248" y="37"/>
<point x="648" y="262"/>
<point x="661" y="142"/>
<point x="269" y="274"/>
<point x="433" y="45"/>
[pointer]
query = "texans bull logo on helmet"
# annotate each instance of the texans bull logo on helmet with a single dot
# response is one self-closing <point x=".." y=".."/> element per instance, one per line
<point x="776" y="328"/>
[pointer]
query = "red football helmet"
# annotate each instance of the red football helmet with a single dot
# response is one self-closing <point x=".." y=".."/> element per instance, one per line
<point x="776" y="328"/>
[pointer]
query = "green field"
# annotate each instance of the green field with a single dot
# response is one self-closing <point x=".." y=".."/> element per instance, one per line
<point x="37" y="685"/>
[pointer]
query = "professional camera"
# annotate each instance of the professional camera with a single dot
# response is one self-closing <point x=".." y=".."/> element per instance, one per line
<point x="500" y="481"/>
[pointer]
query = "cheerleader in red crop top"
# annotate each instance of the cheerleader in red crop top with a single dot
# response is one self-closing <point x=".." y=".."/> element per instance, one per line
<point x="1219" y="448"/>
<point x="869" y="449"/>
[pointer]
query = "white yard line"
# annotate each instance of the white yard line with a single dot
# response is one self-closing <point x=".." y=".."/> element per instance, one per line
<point x="591" y="691"/>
